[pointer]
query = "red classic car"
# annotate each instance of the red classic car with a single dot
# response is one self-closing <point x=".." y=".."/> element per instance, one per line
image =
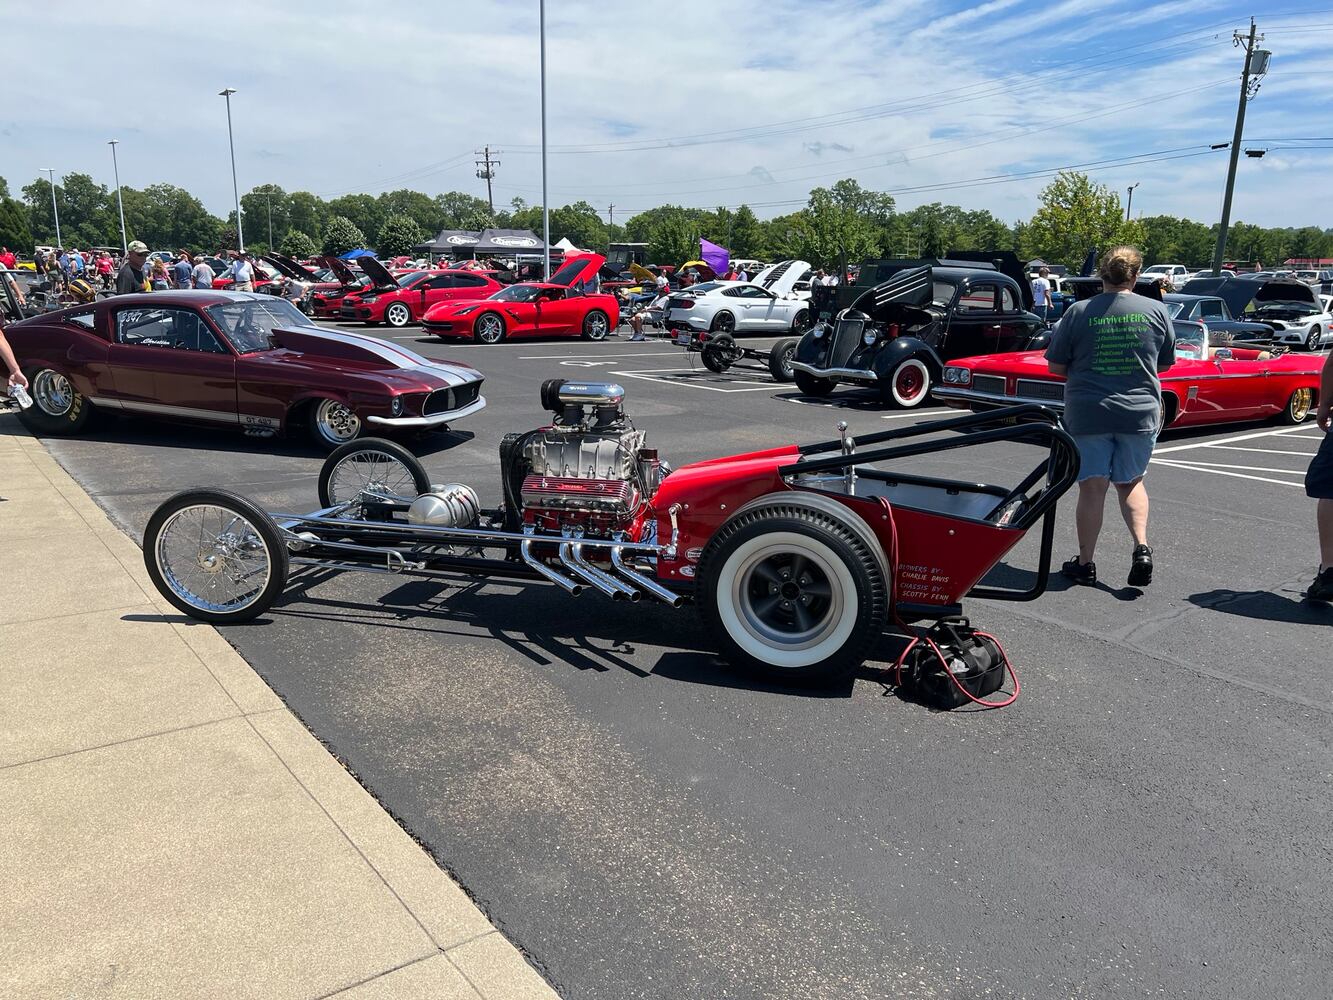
<point x="230" y="359"/>
<point x="1206" y="385"/>
<point x="406" y="298"/>
<point x="570" y="304"/>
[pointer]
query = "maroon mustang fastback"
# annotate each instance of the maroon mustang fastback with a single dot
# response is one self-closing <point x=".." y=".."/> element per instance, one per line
<point x="230" y="359"/>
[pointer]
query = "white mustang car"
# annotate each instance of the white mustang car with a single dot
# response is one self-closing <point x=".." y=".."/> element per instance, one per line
<point x="769" y="304"/>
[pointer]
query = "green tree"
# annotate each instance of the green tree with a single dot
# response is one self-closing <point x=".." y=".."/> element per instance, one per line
<point x="580" y="224"/>
<point x="458" y="210"/>
<point x="297" y="244"/>
<point x="831" y="230"/>
<point x="4" y="188"/>
<point x="307" y="212"/>
<point x="674" y="239"/>
<point x="418" y="207"/>
<point x="362" y="210"/>
<point x="341" y="235"/>
<point x="14" y="231"/>
<point x="399" y="234"/>
<point x="1075" y="216"/>
<point x="261" y="203"/>
<point x="747" y="235"/>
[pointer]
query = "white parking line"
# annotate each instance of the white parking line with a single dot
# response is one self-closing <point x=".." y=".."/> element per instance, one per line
<point x="1263" y="451"/>
<point x="631" y="354"/>
<point x="943" y="411"/>
<point x="1233" y="440"/>
<point x="1220" y="472"/>
<point x="1208" y="466"/>
<point x="656" y="375"/>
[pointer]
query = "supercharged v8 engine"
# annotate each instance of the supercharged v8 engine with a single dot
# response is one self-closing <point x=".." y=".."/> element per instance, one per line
<point x="588" y="473"/>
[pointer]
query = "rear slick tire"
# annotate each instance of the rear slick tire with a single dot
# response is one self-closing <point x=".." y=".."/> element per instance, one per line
<point x="215" y="555"/>
<point x="793" y="594"/>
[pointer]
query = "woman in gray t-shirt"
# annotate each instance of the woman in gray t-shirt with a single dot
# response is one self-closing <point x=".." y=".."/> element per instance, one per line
<point x="1111" y="349"/>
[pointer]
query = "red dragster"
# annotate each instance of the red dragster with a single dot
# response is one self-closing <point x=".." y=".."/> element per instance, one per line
<point x="1206" y="385"/>
<point x="406" y="298"/>
<point x="230" y="359"/>
<point x="568" y="305"/>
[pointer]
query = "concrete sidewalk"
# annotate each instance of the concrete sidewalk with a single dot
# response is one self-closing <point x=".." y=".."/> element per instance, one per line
<point x="167" y="828"/>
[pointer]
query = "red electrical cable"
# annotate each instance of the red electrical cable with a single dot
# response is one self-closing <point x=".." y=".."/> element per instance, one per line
<point x="904" y="627"/>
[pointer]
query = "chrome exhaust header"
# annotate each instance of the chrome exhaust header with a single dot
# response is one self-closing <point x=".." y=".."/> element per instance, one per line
<point x="571" y="587"/>
<point x="571" y="557"/>
<point x="642" y="582"/>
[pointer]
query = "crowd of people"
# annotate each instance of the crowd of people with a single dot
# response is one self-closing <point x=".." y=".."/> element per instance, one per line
<point x="80" y="274"/>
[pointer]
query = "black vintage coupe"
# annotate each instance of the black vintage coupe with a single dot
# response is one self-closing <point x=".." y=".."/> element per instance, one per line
<point x="903" y="319"/>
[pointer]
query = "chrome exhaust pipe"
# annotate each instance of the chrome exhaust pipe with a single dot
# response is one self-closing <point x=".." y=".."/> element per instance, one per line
<point x="642" y="582"/>
<point x="571" y="558"/>
<point x="572" y="587"/>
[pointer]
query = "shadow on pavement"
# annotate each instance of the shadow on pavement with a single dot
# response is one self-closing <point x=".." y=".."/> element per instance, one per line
<point x="1264" y="605"/>
<point x="1013" y="578"/>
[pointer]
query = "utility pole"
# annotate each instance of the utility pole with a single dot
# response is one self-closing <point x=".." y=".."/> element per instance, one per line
<point x="610" y="224"/>
<point x="1129" y="203"/>
<point x="235" y="190"/>
<point x="51" y="171"/>
<point x="486" y="170"/>
<point x="1256" y="65"/>
<point x="120" y="205"/>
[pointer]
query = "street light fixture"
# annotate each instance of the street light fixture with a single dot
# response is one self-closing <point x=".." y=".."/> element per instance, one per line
<point x="235" y="189"/>
<point x="1130" y="201"/>
<point x="56" y="211"/>
<point x="120" y="205"/>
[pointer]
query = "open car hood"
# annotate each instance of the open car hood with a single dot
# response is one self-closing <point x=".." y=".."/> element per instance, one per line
<point x="340" y="270"/>
<point x="641" y="272"/>
<point x="781" y="278"/>
<point x="910" y="287"/>
<point x="336" y="347"/>
<point x="576" y="270"/>
<point x="290" y="268"/>
<point x="1238" y="293"/>
<point x="378" y="273"/>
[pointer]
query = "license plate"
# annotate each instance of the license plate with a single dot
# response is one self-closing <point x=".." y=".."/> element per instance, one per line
<point x="683" y="339"/>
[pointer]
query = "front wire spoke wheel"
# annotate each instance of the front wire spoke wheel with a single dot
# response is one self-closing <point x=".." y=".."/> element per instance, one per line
<point x="370" y="466"/>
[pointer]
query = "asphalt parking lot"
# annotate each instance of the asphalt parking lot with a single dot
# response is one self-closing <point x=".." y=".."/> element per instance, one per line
<point x="1150" y="818"/>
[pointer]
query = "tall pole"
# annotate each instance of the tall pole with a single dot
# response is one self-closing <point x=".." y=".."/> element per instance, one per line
<point x="54" y="210"/>
<point x="546" y="207"/>
<point x="610" y="225"/>
<point x="120" y="205"/>
<point x="268" y="199"/>
<point x="486" y="170"/>
<point x="1221" y="250"/>
<point x="235" y="189"/>
<point x="1129" y="202"/>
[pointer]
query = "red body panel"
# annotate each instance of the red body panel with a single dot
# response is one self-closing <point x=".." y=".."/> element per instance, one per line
<point x="436" y="288"/>
<point x="1213" y="391"/>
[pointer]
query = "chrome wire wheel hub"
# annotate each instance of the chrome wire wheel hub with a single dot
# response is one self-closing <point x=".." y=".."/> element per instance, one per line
<point x="337" y="422"/>
<point x="376" y="473"/>
<point x="212" y="558"/>
<point x="52" y="392"/>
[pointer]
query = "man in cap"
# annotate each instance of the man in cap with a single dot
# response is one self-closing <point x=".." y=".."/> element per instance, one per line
<point x="131" y="276"/>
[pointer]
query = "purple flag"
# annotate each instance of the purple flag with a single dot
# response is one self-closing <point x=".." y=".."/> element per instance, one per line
<point x="714" y="256"/>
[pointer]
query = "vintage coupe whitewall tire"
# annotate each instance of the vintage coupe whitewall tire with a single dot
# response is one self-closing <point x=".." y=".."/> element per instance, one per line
<point x="1298" y="407"/>
<point x="596" y="325"/>
<point x="794" y="593"/>
<point x="57" y="407"/>
<point x="332" y="423"/>
<point x="489" y="328"/>
<point x="215" y="555"/>
<point x="398" y="315"/>
<point x="779" y="359"/>
<point x="908" y="385"/>
<point x="371" y="464"/>
<point x="813" y="385"/>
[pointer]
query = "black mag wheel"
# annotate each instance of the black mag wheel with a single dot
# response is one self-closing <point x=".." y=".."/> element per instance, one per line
<point x="215" y="555"/>
<point x="720" y="352"/>
<point x="724" y="322"/>
<point x="801" y="322"/>
<point x="779" y="359"/>
<point x="813" y="385"/>
<point x="371" y="465"/>
<point x="793" y="593"/>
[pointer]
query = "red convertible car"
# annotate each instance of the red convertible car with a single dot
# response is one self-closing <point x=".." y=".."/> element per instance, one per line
<point x="232" y="359"/>
<point x="569" y="305"/>
<point x="406" y="298"/>
<point x="1206" y="385"/>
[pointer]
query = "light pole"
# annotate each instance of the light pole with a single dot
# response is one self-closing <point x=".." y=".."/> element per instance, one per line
<point x="120" y="205"/>
<point x="546" y="205"/>
<point x="56" y="211"/>
<point x="235" y="189"/>
<point x="1129" y="203"/>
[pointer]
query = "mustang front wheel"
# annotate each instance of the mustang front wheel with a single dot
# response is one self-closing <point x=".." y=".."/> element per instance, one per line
<point x="397" y="315"/>
<point x="793" y="592"/>
<point x="215" y="555"/>
<point x="333" y="423"/>
<point x="57" y="407"/>
<point x="596" y="325"/>
<point x="371" y="465"/>
<point x="1313" y="338"/>
<point x="908" y="385"/>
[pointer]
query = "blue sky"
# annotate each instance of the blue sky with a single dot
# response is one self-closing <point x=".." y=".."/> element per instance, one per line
<point x="966" y="103"/>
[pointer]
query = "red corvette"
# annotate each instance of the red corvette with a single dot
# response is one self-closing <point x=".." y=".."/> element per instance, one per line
<point x="562" y="307"/>
<point x="229" y="359"/>
<point x="406" y="298"/>
<point x="1206" y="385"/>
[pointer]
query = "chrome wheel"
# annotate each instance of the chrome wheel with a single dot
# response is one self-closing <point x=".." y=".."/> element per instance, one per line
<point x="397" y="314"/>
<point x="335" y="423"/>
<point x="1312" y="339"/>
<point x="52" y="392"/>
<point x="1298" y="408"/>
<point x="213" y="559"/>
<point x="596" y="326"/>
<point x="370" y="471"/>
<point x="490" y="328"/>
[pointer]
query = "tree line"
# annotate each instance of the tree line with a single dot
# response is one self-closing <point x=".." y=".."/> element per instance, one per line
<point x="840" y="223"/>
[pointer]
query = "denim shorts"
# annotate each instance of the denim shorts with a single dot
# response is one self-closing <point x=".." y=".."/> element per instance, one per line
<point x="1121" y="458"/>
<point x="1319" y="478"/>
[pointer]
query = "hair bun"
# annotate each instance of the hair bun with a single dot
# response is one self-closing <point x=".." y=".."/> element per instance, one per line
<point x="1121" y="265"/>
